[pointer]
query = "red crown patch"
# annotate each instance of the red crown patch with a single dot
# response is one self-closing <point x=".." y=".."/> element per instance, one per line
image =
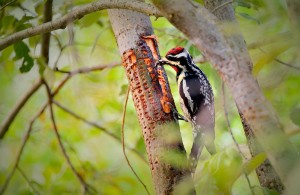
<point x="175" y="51"/>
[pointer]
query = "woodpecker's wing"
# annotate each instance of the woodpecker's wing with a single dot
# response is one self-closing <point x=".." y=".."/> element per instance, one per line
<point x="195" y="93"/>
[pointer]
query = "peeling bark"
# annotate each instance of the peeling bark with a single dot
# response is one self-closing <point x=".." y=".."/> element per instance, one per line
<point x="151" y="92"/>
<point x="202" y="28"/>
<point x="265" y="172"/>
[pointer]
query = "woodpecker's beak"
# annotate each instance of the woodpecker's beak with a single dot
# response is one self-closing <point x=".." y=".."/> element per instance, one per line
<point x="161" y="62"/>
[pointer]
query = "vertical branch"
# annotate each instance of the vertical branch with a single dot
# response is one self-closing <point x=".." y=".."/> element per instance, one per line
<point x="85" y="187"/>
<point x="46" y="36"/>
<point x="224" y="11"/>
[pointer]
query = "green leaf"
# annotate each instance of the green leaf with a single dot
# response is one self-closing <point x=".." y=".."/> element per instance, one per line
<point x="123" y="89"/>
<point x="254" y="162"/>
<point x="295" y="116"/>
<point x="269" y="55"/>
<point x="21" y="49"/>
<point x="89" y="19"/>
<point x="27" y="64"/>
<point x="247" y="16"/>
<point x="49" y="76"/>
<point x="220" y="172"/>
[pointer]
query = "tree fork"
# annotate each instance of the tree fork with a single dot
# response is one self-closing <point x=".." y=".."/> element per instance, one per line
<point x="152" y="98"/>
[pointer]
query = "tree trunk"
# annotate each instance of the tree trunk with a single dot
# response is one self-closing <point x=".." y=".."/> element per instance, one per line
<point x="202" y="28"/>
<point x="265" y="172"/>
<point x="152" y="98"/>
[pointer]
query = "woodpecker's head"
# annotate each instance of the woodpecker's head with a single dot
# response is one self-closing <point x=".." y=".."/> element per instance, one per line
<point x="182" y="57"/>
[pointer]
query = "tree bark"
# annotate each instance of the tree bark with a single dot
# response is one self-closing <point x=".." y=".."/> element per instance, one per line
<point x="202" y="28"/>
<point x="266" y="174"/>
<point x="152" y="98"/>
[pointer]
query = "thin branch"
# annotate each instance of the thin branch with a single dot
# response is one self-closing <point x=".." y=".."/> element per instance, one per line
<point x="123" y="142"/>
<point x="228" y="123"/>
<point x="287" y="64"/>
<point x="89" y="69"/>
<point x="104" y="130"/>
<point x="27" y="135"/>
<point x="25" y="139"/>
<point x="237" y="145"/>
<point x="282" y="62"/>
<point x="27" y="180"/>
<point x="46" y="36"/>
<point x="7" y="4"/>
<point x="19" y="105"/>
<point x="77" y="14"/>
<point x="84" y="185"/>
<point x="220" y="6"/>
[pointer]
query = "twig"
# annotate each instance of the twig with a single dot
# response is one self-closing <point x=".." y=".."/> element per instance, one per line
<point x="7" y="4"/>
<point x="289" y="65"/>
<point x="220" y="6"/>
<point x="123" y="142"/>
<point x="25" y="139"/>
<point x="282" y="62"/>
<point x="228" y="123"/>
<point x="237" y="145"/>
<point x="27" y="180"/>
<point x="104" y="130"/>
<point x="11" y="116"/>
<point x="46" y="36"/>
<point x="84" y="185"/>
<point x="77" y="14"/>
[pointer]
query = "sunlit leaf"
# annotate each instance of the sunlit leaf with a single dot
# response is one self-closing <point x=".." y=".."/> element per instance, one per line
<point x="295" y="116"/>
<point x="268" y="55"/>
<point x="254" y="162"/>
<point x="49" y="76"/>
<point x="89" y="19"/>
<point x="249" y="17"/>
<point x="220" y="172"/>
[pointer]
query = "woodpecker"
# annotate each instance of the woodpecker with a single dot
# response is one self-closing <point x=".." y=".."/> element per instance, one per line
<point x="196" y="101"/>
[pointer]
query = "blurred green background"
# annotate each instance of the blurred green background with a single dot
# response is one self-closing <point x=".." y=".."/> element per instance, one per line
<point x="99" y="97"/>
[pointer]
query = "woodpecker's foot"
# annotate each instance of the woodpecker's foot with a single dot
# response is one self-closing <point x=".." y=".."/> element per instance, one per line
<point x="176" y="114"/>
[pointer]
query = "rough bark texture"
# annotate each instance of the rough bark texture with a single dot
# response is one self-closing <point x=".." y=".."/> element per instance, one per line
<point x="202" y="28"/>
<point x="150" y="92"/>
<point x="224" y="12"/>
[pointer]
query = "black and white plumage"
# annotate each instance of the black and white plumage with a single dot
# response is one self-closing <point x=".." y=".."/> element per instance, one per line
<point x="196" y="101"/>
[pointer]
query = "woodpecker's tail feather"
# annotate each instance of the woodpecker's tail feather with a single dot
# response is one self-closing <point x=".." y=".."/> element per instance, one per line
<point x="200" y="140"/>
<point x="196" y="151"/>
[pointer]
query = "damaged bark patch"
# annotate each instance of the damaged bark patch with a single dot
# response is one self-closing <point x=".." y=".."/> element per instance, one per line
<point x="166" y="99"/>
